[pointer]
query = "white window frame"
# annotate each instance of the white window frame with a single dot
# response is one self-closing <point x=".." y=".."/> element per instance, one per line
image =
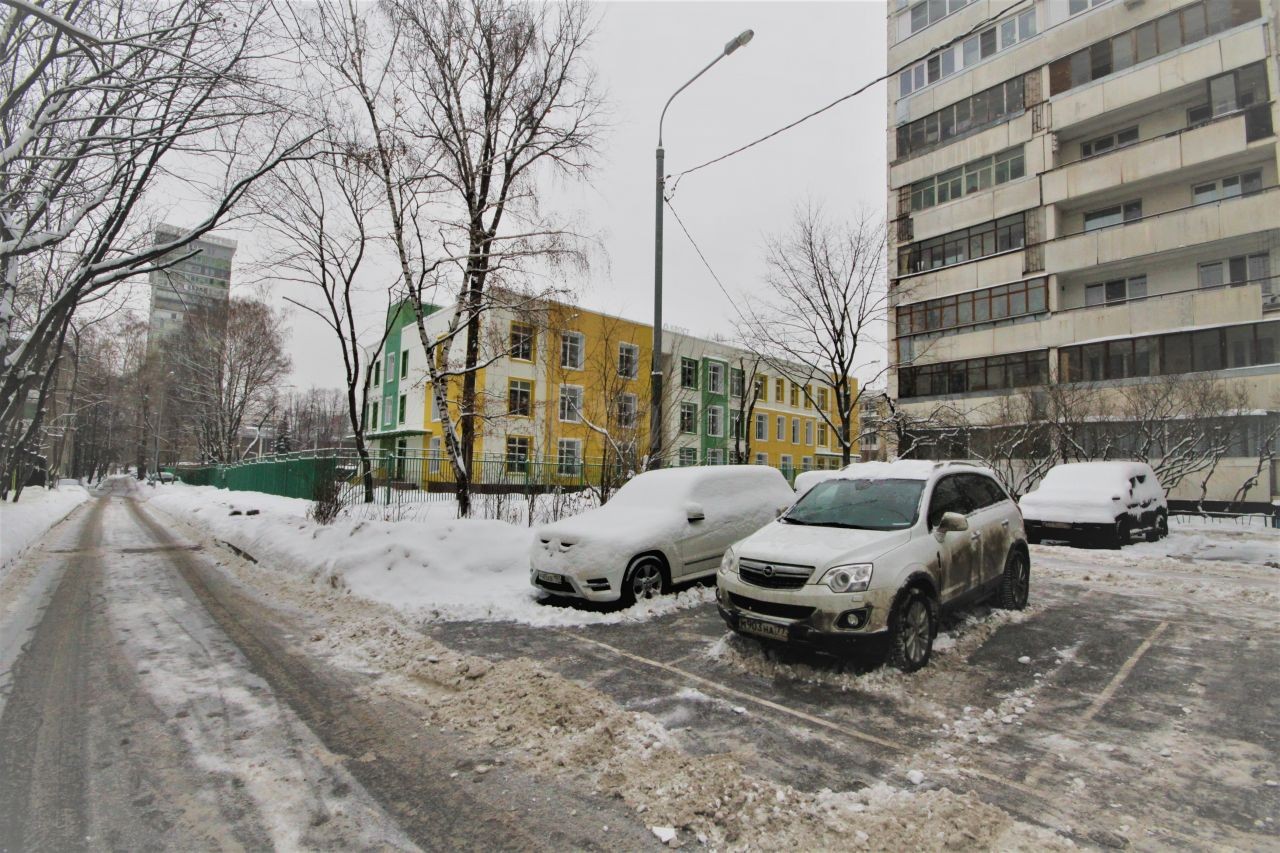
<point x="1101" y="292"/>
<point x="687" y="456"/>
<point x="574" y="460"/>
<point x="715" y="377"/>
<point x="633" y="409"/>
<point x="784" y="462"/>
<point x="577" y="409"/>
<point x="511" y="386"/>
<point x="1228" y="186"/>
<point x="402" y="408"/>
<point x="795" y="430"/>
<point x="715" y="421"/>
<point x="633" y="352"/>
<point x="762" y="458"/>
<point x="1112" y="214"/>
<point x="735" y="424"/>
<point x="572" y="343"/>
<point x="715" y="456"/>
<point x="685" y="362"/>
<point x="781" y="428"/>
<point x="808" y="433"/>
<point x="390" y="369"/>
<point x="762" y="427"/>
<point x="433" y="455"/>
<point x="388" y="410"/>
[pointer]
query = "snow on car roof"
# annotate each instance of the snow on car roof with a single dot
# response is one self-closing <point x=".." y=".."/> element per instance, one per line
<point x="901" y="469"/>
<point x="664" y="484"/>
<point x="1073" y="470"/>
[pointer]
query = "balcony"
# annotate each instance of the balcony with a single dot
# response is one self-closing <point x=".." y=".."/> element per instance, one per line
<point x="1164" y="232"/>
<point x="1163" y="75"/>
<point x="1148" y="159"/>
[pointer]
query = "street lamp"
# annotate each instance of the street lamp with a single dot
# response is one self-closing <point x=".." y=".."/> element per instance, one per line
<point x="655" y="376"/>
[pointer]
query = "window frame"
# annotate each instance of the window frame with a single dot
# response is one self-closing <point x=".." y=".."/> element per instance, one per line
<point x="570" y="342"/>
<point x="689" y="415"/>
<point x="512" y="390"/>
<point x="518" y="463"/>
<point x="561" y="399"/>
<point x="625" y="351"/>
<point x="688" y="368"/>
<point x="520" y="337"/>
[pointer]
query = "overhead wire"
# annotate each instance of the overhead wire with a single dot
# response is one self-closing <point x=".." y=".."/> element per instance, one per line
<point x="961" y="37"/>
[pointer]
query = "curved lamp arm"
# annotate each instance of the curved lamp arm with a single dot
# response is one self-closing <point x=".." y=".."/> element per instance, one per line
<point x="740" y="40"/>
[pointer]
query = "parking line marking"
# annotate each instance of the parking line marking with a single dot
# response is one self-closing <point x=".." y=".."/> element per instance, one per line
<point x="747" y="697"/>
<point x="1118" y="679"/>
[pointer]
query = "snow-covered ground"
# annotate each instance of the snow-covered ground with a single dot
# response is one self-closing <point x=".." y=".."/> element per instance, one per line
<point x="38" y="509"/>
<point x="432" y="566"/>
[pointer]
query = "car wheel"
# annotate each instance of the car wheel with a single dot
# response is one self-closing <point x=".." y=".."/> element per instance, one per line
<point x="645" y="578"/>
<point x="1123" y="534"/>
<point x="912" y="626"/>
<point x="1015" y="583"/>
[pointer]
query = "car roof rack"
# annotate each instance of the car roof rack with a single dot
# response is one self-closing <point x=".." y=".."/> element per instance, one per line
<point x="970" y="463"/>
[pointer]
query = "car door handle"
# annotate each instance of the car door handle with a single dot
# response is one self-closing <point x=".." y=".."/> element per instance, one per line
<point x="1004" y="523"/>
<point x="977" y="534"/>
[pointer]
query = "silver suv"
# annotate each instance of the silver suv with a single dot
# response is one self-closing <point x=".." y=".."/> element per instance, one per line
<point x="879" y="550"/>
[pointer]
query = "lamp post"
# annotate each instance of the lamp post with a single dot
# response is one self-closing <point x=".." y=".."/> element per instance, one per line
<point x="655" y="375"/>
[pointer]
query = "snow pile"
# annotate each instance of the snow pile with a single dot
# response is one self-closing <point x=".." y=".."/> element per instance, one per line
<point x="435" y="566"/>
<point x="38" y="509"/>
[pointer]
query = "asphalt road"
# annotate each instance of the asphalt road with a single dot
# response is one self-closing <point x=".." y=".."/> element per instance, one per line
<point x="152" y="705"/>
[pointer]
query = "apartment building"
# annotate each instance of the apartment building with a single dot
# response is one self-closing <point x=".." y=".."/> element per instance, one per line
<point x="564" y="383"/>
<point x="1084" y="193"/>
<point x="202" y="280"/>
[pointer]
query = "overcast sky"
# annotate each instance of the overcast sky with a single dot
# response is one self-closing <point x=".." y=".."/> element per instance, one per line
<point x="804" y="55"/>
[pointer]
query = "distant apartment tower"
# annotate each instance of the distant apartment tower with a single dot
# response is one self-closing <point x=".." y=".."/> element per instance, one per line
<point x="202" y="280"/>
<point x="1084" y="192"/>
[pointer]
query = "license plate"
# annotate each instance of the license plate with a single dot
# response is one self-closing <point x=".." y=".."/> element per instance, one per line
<point x="1058" y="525"/>
<point x="550" y="577"/>
<point x="761" y="628"/>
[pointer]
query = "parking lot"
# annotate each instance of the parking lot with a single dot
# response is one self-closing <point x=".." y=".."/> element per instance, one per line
<point x="1134" y="702"/>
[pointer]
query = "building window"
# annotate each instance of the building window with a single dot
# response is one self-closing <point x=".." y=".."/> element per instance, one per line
<point x="986" y="108"/>
<point x="784" y="464"/>
<point x="388" y="410"/>
<point x="520" y="397"/>
<point x="391" y="367"/>
<point x="1243" y="345"/>
<point x="517" y="459"/>
<point x="433" y="456"/>
<point x="1075" y="7"/>
<point x="404" y="364"/>
<point x="1230" y="186"/>
<point x="871" y="441"/>
<point x="808" y="433"/>
<point x="715" y="377"/>
<point x="780" y="390"/>
<point x="715" y="456"/>
<point x="1114" y="215"/>
<point x="373" y="421"/>
<point x="735" y="424"/>
<point x="1238" y="270"/>
<point x="626" y="410"/>
<point x="521" y="342"/>
<point x="992" y="373"/>
<point x="762" y="458"/>
<point x="795" y="430"/>
<point x="377" y="372"/>
<point x="822" y="399"/>
<point x="966" y="244"/>
<point x="1110" y="142"/>
<point x="571" y="403"/>
<point x="980" y="174"/>
<point x="822" y="435"/>
<point x="688" y="373"/>
<point x="403" y="408"/>
<point x="569" y="457"/>
<point x="762" y="389"/>
<point x="571" y="350"/>
<point x="762" y="427"/>
<point x="806" y="463"/>
<point x="688" y="456"/>
<point x="929" y="12"/>
<point x="781" y="429"/>
<point x="628" y="360"/>
<point x="737" y="382"/>
<point x="689" y="417"/>
<point x="1187" y="25"/>
<point x="715" y="421"/>
<point x="1117" y="290"/>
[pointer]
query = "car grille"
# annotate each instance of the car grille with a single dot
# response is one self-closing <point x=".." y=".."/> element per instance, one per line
<point x="562" y="586"/>
<point x="769" y="608"/>
<point x="773" y="575"/>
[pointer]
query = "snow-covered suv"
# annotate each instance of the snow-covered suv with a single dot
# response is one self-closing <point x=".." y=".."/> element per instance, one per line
<point x="1106" y="502"/>
<point x="663" y="527"/>
<point x="881" y="548"/>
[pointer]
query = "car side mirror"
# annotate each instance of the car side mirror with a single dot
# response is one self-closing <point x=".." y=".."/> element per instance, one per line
<point x="953" y="522"/>
<point x="777" y="513"/>
<point x="694" y="512"/>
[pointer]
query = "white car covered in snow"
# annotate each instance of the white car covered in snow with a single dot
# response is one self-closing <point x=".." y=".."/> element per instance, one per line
<point x="1104" y="502"/>
<point x="663" y="527"/>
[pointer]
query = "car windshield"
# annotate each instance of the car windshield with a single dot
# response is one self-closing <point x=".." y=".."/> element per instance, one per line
<point x="880" y="504"/>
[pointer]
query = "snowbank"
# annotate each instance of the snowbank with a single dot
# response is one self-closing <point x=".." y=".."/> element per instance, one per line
<point x="434" y="566"/>
<point x="38" y="509"/>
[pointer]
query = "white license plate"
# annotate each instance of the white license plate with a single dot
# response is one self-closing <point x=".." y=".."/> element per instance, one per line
<point x="1058" y="525"/>
<point x="761" y="628"/>
<point x="550" y="577"/>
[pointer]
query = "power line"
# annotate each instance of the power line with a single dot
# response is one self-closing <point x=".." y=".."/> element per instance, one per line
<point x="732" y="302"/>
<point x="852" y="94"/>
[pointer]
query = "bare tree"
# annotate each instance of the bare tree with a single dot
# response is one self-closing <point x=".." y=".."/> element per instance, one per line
<point x="228" y="365"/>
<point x="96" y="102"/>
<point x="826" y="296"/>
<point x="748" y="368"/>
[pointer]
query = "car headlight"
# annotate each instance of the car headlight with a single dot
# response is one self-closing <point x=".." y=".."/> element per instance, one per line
<point x="729" y="563"/>
<point x="855" y="577"/>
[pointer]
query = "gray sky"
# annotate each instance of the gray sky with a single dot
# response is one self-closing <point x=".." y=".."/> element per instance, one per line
<point x="804" y="55"/>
